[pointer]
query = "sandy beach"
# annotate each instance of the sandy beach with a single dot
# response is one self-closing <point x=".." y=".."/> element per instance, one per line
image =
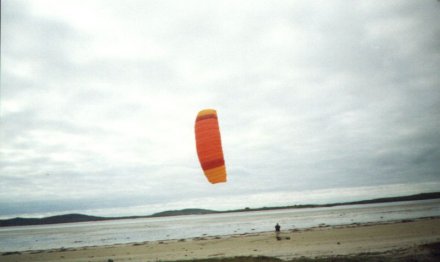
<point x="391" y="239"/>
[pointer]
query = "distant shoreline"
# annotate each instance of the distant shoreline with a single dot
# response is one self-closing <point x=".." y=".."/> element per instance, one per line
<point x="74" y="218"/>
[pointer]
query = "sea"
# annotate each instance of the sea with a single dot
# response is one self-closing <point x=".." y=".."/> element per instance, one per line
<point x="74" y="235"/>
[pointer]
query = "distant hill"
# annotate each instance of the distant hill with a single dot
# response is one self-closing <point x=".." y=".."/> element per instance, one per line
<point x="188" y="211"/>
<point x="69" y="218"/>
<point x="422" y="196"/>
<point x="72" y="218"/>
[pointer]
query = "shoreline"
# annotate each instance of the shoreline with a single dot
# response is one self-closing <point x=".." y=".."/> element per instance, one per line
<point x="389" y="237"/>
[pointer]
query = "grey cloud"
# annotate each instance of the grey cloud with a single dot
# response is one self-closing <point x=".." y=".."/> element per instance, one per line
<point x="50" y="41"/>
<point x="309" y="97"/>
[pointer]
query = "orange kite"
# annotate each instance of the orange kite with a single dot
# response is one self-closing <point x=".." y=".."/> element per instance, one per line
<point x="209" y="146"/>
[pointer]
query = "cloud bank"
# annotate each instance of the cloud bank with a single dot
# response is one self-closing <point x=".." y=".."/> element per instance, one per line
<point x="98" y="102"/>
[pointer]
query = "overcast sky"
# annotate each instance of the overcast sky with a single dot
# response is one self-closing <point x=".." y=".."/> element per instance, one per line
<point x="318" y="101"/>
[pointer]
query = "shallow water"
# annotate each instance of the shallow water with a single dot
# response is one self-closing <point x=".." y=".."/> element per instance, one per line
<point x="178" y="227"/>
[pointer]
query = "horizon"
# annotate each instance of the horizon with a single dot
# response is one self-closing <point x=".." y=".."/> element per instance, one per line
<point x="244" y="209"/>
<point x="115" y="215"/>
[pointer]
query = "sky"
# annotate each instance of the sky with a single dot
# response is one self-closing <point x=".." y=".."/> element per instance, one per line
<point x="318" y="102"/>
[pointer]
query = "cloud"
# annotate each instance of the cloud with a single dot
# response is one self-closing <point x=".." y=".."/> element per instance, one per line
<point x="99" y="107"/>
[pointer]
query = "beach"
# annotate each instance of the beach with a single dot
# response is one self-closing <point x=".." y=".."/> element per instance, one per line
<point x="391" y="239"/>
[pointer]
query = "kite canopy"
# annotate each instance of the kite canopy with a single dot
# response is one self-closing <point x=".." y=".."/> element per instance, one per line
<point x="209" y="146"/>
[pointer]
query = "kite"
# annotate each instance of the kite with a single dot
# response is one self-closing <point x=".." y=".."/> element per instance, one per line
<point x="209" y="146"/>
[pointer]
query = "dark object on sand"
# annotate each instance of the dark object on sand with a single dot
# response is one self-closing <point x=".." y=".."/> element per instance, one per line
<point x="277" y="231"/>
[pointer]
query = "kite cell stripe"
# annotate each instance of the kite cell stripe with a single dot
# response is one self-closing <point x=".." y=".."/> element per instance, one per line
<point x="209" y="146"/>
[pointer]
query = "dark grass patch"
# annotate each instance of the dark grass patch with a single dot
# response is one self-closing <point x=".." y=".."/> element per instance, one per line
<point x="10" y="253"/>
<point x="433" y="248"/>
<point x="240" y="259"/>
<point x="321" y="259"/>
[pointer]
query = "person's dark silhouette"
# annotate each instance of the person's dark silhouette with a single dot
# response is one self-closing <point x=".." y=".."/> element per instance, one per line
<point x="277" y="231"/>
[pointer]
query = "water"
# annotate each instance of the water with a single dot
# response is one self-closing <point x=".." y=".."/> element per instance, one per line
<point x="179" y="227"/>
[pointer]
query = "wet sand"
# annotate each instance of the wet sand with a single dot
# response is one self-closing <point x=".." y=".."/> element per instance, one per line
<point x="392" y="239"/>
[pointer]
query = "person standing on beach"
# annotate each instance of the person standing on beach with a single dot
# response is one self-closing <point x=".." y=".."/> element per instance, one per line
<point x="277" y="231"/>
